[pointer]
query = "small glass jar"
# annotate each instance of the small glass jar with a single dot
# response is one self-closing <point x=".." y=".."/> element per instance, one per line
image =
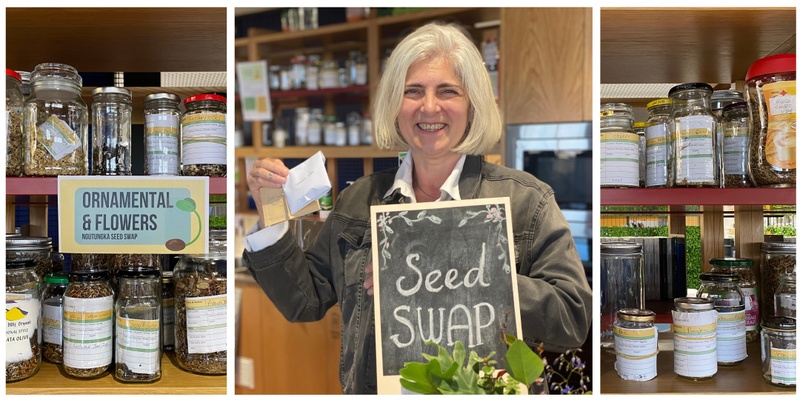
<point x="23" y="320"/>
<point x="344" y="79"/>
<point x="366" y="129"/>
<point x="88" y="324"/>
<point x="52" y="315"/>
<point x="313" y="71"/>
<point x="619" y="146"/>
<point x="111" y="131"/>
<point x="694" y="328"/>
<point x="329" y="75"/>
<point x="137" y="352"/>
<point x="298" y="72"/>
<point x="735" y="127"/>
<point x="777" y="258"/>
<point x="301" y="122"/>
<point x="167" y="312"/>
<point x="723" y="289"/>
<point x="162" y="119"/>
<point x="274" y="77"/>
<point x="693" y="129"/>
<point x="203" y="145"/>
<point x="786" y="296"/>
<point x="779" y="351"/>
<point x="621" y="284"/>
<point x="639" y="129"/>
<point x="743" y="267"/>
<point x="635" y="344"/>
<point x="36" y="248"/>
<point x="315" y="121"/>
<point x="341" y="134"/>
<point x="329" y="130"/>
<point x="657" y="143"/>
<point x="286" y="78"/>
<point x="353" y="128"/>
<point x="771" y="91"/>
<point x="15" y="141"/>
<point x="356" y="65"/>
<point x="56" y="122"/>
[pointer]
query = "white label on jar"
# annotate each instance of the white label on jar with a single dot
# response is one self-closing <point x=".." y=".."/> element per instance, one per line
<point x="636" y="351"/>
<point x="694" y="149"/>
<point x="161" y="136"/>
<point x="137" y="345"/>
<point x="168" y="318"/>
<point x="329" y="79"/>
<point x="361" y="74"/>
<point x="203" y="139"/>
<point x="619" y="159"/>
<point x="731" y="339"/>
<point x="750" y="309"/>
<point x="695" y="342"/>
<point x="353" y="135"/>
<point x="783" y="365"/>
<point x="656" y="155"/>
<point x="22" y="320"/>
<point x="786" y="304"/>
<point x="206" y="324"/>
<point x="312" y="78"/>
<point x="58" y="138"/>
<point x="314" y="134"/>
<point x="734" y="150"/>
<point x="88" y="327"/>
<point x="51" y="324"/>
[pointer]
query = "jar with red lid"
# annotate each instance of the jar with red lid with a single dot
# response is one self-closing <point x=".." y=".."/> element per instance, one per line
<point x="771" y="94"/>
<point x="203" y="136"/>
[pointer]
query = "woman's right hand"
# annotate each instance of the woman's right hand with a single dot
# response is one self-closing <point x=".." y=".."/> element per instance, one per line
<point x="265" y="173"/>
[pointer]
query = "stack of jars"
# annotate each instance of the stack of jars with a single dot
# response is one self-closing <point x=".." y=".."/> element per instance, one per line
<point x="313" y="128"/>
<point x="313" y="73"/>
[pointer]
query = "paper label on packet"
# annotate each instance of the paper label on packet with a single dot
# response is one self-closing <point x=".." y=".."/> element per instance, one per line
<point x="58" y="138"/>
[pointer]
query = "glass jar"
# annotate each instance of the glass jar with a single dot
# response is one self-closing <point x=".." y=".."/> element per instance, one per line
<point x="137" y="353"/>
<point x="635" y="344"/>
<point x="366" y="129"/>
<point x="356" y="66"/>
<point x="329" y="130"/>
<point x="771" y="91"/>
<point x="777" y="258"/>
<point x="735" y="129"/>
<point x="119" y="263"/>
<point x="329" y="75"/>
<point x="111" y="131"/>
<point x="639" y="129"/>
<point x="786" y="296"/>
<point x="344" y="79"/>
<point x="167" y="311"/>
<point x="23" y="319"/>
<point x="313" y="71"/>
<point x="694" y="328"/>
<point x="274" y="77"/>
<point x="286" y="78"/>
<point x="353" y="128"/>
<point x="315" y="121"/>
<point x="36" y="248"/>
<point x="779" y="351"/>
<point x="341" y="134"/>
<point x="298" y="72"/>
<point x="56" y="122"/>
<point x="201" y="313"/>
<point x="723" y="289"/>
<point x="88" y="324"/>
<point x="15" y="141"/>
<point x="693" y="130"/>
<point x="621" y="283"/>
<point x="657" y="143"/>
<point x="743" y="267"/>
<point x="619" y="146"/>
<point x="162" y="119"/>
<point x="52" y="315"/>
<point x="301" y="121"/>
<point x="722" y="98"/>
<point x="203" y="146"/>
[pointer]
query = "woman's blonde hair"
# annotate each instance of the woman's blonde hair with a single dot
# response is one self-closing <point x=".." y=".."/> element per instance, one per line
<point x="427" y="43"/>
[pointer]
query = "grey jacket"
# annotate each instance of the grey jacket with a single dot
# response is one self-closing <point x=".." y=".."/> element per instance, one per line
<point x="554" y="296"/>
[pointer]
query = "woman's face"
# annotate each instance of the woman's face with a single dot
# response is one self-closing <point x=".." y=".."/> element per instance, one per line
<point x="435" y="109"/>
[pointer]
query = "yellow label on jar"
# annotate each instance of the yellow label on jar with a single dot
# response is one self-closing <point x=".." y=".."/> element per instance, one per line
<point x="780" y="98"/>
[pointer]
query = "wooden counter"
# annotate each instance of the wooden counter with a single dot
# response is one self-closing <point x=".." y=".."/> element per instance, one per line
<point x="52" y="380"/>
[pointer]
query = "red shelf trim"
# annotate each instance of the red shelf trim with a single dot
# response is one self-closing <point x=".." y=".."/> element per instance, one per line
<point x="696" y="196"/>
<point x="41" y="186"/>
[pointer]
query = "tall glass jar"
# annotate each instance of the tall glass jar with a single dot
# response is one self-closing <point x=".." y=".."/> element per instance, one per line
<point x="723" y="289"/>
<point x="329" y="75"/>
<point x="353" y="128"/>
<point x="735" y="129"/>
<point x="301" y="122"/>
<point x="52" y="315"/>
<point x="23" y="320"/>
<point x="639" y="129"/>
<point x="619" y="146"/>
<point x="298" y="72"/>
<point x="137" y="352"/>
<point x="341" y="134"/>
<point x="313" y="72"/>
<point x="693" y="129"/>
<point x="635" y="344"/>
<point x="777" y="258"/>
<point x="88" y="324"/>
<point x="315" y="121"/>
<point x="743" y="267"/>
<point x="356" y="65"/>
<point x="657" y="143"/>
<point x="15" y="141"/>
<point x="621" y="283"/>
<point x="56" y="122"/>
<point x="203" y="145"/>
<point x="111" y="131"/>
<point x="329" y="130"/>
<point x="167" y="311"/>
<point x="694" y="328"/>
<point x="779" y="351"/>
<point x="786" y="296"/>
<point x="36" y="248"/>
<point x="771" y="91"/>
<point x="162" y="119"/>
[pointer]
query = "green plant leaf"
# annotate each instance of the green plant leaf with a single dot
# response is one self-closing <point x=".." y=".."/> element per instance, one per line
<point x="186" y="204"/>
<point x="414" y="376"/>
<point x="523" y="364"/>
<point x="510" y="339"/>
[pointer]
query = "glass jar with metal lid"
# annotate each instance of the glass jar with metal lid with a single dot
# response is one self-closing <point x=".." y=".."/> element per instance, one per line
<point x="777" y="258"/>
<point x="88" y="318"/>
<point x="735" y="127"/>
<point x="162" y="127"/>
<point x="23" y="320"/>
<point x="786" y="296"/>
<point x="694" y="328"/>
<point x="15" y="141"/>
<point x="619" y="146"/>
<point x="693" y="129"/>
<point x="621" y="283"/>
<point x="36" y="248"/>
<point x="657" y="147"/>
<point x="771" y="90"/>
<point x="52" y="315"/>
<point x="635" y="344"/>
<point x="56" y="122"/>
<point x="723" y="288"/>
<point x="743" y="267"/>
<point x="167" y="311"/>
<point x="639" y="129"/>
<point x="137" y="352"/>
<point x="779" y="351"/>
<point x="203" y="143"/>
<point x="111" y="131"/>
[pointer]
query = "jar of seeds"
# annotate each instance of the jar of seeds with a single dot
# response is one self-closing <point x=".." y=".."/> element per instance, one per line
<point x="723" y="289"/>
<point x="111" y="131"/>
<point x="203" y="144"/>
<point x="657" y="143"/>
<point x="36" y="248"/>
<point x="56" y="122"/>
<point x="23" y="318"/>
<point x="619" y="146"/>
<point x="162" y="121"/>
<point x="777" y="258"/>
<point x="743" y="267"/>
<point x="786" y="296"/>
<point x="693" y="129"/>
<point x="15" y="101"/>
<point x="89" y="262"/>
<point x="167" y="311"/>
<point x="635" y="344"/>
<point x="694" y="328"/>
<point x="52" y="315"/>
<point x="735" y="129"/>
<point x="88" y="324"/>
<point x="138" y="337"/>
<point x="779" y="351"/>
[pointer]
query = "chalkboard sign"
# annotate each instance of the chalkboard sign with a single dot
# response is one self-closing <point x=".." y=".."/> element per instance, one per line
<point x="444" y="272"/>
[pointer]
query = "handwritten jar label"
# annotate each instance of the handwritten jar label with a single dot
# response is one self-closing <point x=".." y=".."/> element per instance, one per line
<point x="731" y="341"/>
<point x="695" y="340"/>
<point x="137" y="345"/>
<point x="636" y="351"/>
<point x="206" y="322"/>
<point x="88" y="328"/>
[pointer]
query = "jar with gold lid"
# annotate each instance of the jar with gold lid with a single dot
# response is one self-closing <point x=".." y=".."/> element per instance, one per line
<point x="635" y="344"/>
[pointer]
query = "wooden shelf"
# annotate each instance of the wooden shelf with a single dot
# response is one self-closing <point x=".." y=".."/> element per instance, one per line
<point x="282" y="94"/>
<point x="308" y="151"/>
<point x="696" y="196"/>
<point x="36" y="186"/>
<point x="51" y="379"/>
